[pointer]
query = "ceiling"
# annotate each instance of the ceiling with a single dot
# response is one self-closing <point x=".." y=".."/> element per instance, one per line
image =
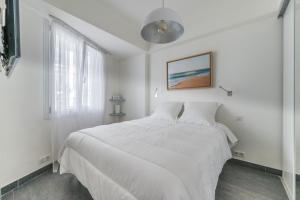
<point x="117" y="46"/>
<point x="191" y="10"/>
<point x="199" y="16"/>
<point x="114" y="45"/>
<point x="115" y="24"/>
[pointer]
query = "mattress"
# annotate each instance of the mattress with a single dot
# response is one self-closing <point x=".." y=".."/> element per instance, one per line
<point x="147" y="159"/>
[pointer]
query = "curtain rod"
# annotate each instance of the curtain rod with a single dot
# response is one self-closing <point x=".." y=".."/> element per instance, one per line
<point x="88" y="40"/>
<point x="283" y="8"/>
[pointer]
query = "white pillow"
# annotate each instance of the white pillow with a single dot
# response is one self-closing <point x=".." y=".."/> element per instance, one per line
<point x="200" y="113"/>
<point x="168" y="110"/>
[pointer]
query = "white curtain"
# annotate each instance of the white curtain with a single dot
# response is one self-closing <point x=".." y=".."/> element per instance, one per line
<point x="77" y="85"/>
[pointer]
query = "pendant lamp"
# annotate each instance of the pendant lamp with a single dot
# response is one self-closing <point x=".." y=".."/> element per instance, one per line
<point x="162" y="25"/>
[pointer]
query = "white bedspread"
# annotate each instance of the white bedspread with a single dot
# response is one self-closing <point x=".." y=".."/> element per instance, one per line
<point x="147" y="159"/>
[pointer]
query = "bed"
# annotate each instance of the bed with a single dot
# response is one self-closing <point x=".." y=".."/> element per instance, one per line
<point x="148" y="159"/>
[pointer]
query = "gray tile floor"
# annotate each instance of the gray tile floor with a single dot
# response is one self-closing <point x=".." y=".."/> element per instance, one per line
<point x="235" y="183"/>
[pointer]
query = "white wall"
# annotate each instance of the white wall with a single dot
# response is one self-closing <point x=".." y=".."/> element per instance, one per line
<point x="133" y="72"/>
<point x="248" y="61"/>
<point x="112" y="72"/>
<point x="297" y="85"/>
<point x="288" y="100"/>
<point x="24" y="135"/>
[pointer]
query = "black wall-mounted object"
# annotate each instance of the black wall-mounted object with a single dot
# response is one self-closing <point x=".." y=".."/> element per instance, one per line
<point x="229" y="92"/>
<point x="11" y="37"/>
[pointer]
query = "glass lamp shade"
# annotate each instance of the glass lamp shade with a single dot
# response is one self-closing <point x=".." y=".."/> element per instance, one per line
<point x="162" y="25"/>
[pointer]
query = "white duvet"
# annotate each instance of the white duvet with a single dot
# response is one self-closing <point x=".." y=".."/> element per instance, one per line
<point x="148" y="159"/>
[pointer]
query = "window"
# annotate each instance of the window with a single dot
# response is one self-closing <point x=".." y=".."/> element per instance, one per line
<point x="78" y="73"/>
<point x="93" y="58"/>
<point x="77" y="82"/>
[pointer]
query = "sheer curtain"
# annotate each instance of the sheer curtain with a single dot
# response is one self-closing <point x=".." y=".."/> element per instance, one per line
<point x="77" y="85"/>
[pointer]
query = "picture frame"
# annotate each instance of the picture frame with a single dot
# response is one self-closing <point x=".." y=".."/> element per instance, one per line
<point x="11" y="51"/>
<point x="190" y="72"/>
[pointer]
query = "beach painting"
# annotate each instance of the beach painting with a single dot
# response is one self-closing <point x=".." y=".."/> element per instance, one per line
<point x="190" y="72"/>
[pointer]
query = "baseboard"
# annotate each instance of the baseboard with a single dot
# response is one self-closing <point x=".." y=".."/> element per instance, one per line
<point x="6" y="189"/>
<point x="256" y="166"/>
<point x="286" y="188"/>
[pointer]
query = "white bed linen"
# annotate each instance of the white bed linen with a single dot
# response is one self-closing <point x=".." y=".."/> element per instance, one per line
<point x="147" y="159"/>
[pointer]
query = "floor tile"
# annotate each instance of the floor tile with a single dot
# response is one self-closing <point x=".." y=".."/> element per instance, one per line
<point x="235" y="183"/>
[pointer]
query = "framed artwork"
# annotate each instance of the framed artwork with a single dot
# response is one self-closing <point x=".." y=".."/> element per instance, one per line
<point x="11" y="50"/>
<point x="190" y="72"/>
